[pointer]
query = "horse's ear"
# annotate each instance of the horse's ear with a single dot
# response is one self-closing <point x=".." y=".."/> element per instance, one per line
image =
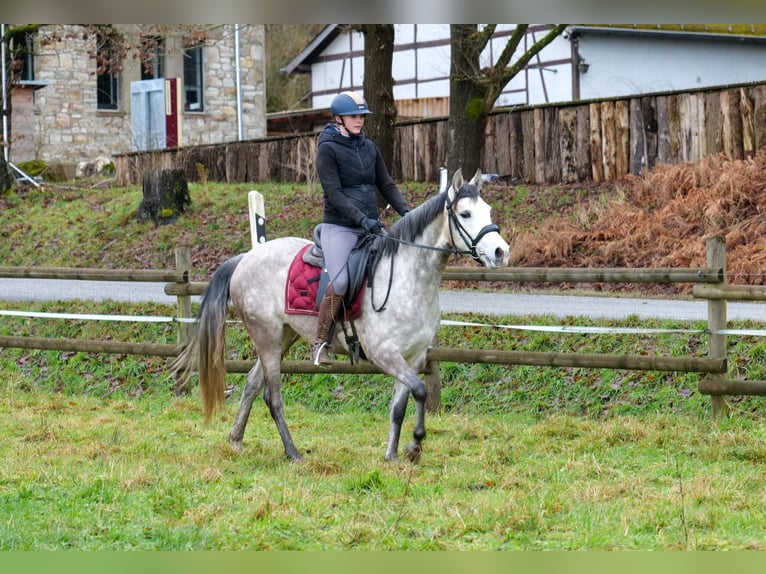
<point x="477" y="179"/>
<point x="457" y="179"/>
<point x="457" y="183"/>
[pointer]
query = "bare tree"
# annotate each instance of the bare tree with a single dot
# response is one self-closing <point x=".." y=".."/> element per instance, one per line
<point x="474" y="90"/>
<point x="283" y="41"/>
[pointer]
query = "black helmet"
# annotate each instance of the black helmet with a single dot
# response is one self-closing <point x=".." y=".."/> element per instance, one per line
<point x="348" y="104"/>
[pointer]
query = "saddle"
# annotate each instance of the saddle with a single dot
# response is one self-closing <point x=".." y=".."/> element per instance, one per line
<point x="307" y="280"/>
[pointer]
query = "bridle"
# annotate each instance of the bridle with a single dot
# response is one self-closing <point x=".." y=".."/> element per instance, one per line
<point x="453" y="223"/>
<point x="473" y="242"/>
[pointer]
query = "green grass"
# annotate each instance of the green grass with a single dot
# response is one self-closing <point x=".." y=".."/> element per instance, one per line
<point x="83" y="227"/>
<point x="82" y="472"/>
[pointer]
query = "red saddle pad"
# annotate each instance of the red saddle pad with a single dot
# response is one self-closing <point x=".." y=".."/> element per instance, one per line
<point x="302" y="286"/>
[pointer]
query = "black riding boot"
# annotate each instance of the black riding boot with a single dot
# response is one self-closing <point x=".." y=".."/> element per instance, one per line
<point x="328" y="309"/>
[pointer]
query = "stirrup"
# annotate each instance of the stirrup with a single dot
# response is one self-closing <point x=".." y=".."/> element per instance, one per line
<point x="318" y="351"/>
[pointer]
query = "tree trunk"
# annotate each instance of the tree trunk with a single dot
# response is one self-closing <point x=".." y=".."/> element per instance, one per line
<point x="380" y="126"/>
<point x="166" y="196"/>
<point x="474" y="90"/>
<point x="379" y="87"/>
<point x="6" y="181"/>
<point x="467" y="119"/>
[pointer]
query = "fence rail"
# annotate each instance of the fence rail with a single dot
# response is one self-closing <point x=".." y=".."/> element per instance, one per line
<point x="148" y="275"/>
<point x="709" y="283"/>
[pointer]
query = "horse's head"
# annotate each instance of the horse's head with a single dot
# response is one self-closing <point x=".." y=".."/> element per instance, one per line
<point x="470" y="222"/>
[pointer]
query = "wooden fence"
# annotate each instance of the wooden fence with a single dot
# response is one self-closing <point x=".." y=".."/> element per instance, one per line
<point x="709" y="283"/>
<point x="593" y="140"/>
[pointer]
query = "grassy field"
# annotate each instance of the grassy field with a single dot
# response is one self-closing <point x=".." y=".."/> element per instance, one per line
<point x="99" y="453"/>
<point x="83" y="472"/>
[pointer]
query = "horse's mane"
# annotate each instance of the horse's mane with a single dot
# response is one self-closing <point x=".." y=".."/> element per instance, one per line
<point x="411" y="226"/>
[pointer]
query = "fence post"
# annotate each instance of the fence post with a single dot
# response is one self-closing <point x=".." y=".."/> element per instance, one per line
<point x="257" y="212"/>
<point x="183" y="264"/>
<point x="433" y="384"/>
<point x="716" y="312"/>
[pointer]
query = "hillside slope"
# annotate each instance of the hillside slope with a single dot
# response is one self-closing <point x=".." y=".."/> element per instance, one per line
<point x="662" y="219"/>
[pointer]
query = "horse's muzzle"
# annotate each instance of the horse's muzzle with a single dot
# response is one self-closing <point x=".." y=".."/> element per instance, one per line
<point x="498" y="257"/>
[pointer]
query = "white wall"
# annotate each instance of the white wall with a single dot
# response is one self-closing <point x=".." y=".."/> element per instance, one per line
<point x="627" y="65"/>
<point x="619" y="64"/>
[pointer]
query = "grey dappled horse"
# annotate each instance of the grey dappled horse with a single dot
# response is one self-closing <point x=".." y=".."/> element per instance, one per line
<point x="411" y="259"/>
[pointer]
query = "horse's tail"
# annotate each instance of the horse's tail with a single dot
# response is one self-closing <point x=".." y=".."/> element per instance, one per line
<point x="204" y="348"/>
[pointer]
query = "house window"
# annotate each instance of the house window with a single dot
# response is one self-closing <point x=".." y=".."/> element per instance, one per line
<point x="107" y="84"/>
<point x="24" y="60"/>
<point x="152" y="58"/>
<point x="193" y="79"/>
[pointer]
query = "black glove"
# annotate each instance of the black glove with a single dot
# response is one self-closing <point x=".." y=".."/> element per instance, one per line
<point x="373" y="226"/>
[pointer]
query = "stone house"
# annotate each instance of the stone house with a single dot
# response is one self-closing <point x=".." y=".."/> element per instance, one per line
<point x="74" y="87"/>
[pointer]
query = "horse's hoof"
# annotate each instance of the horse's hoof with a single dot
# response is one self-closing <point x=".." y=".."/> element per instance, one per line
<point x="413" y="452"/>
<point x="236" y="446"/>
<point x="294" y="456"/>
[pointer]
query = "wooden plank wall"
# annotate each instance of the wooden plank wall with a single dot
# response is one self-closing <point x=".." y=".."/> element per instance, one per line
<point x="594" y="140"/>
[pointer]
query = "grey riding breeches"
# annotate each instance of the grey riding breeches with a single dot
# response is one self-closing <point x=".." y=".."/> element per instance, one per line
<point x="337" y="243"/>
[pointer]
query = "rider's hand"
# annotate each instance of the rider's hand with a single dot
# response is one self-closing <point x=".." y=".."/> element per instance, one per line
<point x="373" y="226"/>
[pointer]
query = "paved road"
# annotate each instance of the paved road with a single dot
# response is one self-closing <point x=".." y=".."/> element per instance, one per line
<point x="451" y="301"/>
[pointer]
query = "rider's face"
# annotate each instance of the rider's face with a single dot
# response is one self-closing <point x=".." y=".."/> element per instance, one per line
<point x="353" y="123"/>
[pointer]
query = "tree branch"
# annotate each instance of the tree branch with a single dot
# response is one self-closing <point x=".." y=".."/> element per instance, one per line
<point x="510" y="47"/>
<point x="519" y="64"/>
<point x="501" y="75"/>
<point x="483" y="37"/>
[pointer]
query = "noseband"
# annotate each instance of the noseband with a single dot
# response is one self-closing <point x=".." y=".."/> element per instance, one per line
<point x="472" y="242"/>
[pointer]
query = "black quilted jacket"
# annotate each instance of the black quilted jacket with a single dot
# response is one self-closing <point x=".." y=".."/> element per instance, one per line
<point x="350" y="168"/>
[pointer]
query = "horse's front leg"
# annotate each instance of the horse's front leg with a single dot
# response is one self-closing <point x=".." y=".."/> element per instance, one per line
<point x="253" y="387"/>
<point x="406" y="384"/>
<point x="396" y="415"/>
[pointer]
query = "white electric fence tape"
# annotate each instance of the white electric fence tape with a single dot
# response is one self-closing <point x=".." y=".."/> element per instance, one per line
<point x="609" y="330"/>
<point x="567" y="329"/>
<point x="90" y="317"/>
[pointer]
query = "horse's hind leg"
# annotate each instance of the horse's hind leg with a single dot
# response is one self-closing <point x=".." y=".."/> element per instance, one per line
<point x="272" y="395"/>
<point x="253" y="387"/>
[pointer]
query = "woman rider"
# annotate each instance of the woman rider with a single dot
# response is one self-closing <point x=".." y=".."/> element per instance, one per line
<point x="350" y="169"/>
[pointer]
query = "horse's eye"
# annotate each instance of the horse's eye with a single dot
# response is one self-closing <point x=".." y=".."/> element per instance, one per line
<point x="465" y="214"/>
